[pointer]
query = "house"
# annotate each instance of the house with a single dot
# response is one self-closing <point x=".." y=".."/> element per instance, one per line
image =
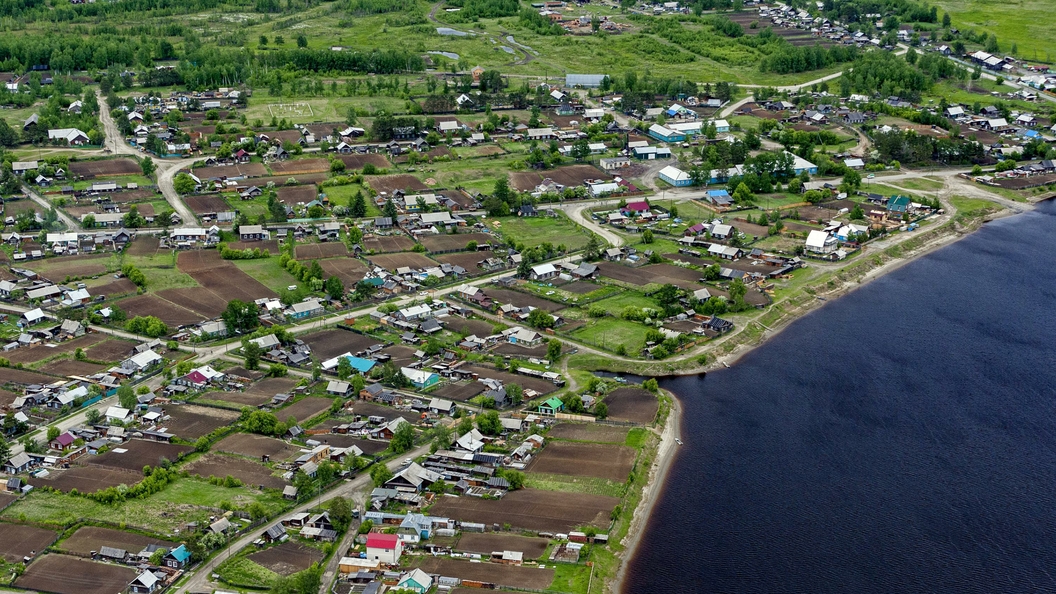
<point x="145" y="583"/>
<point x="19" y="463"/>
<point x="384" y="548"/>
<point x="524" y="336"/>
<point x="32" y="316"/>
<point x="540" y="133"/>
<point x="716" y="324"/>
<point x="304" y="309"/>
<point x="338" y="388"/>
<point x="612" y="163"/>
<point x="675" y="176"/>
<point x="899" y="204"/>
<point x="996" y="125"/>
<point x="72" y="136"/>
<point x="552" y="406"/>
<point x="721" y="126"/>
<point x="799" y="165"/>
<point x="721" y="232"/>
<point x="419" y="378"/>
<point x="20" y="167"/>
<point x="13" y="485"/>
<point x="62" y="442"/>
<point x="719" y="197"/>
<point x="665" y="134"/>
<point x="439" y="406"/>
<point x="177" y="558"/>
<point x="854" y="163"/>
<point x="116" y="413"/>
<point x="415" y="580"/>
<point x="413" y="476"/>
<point x="253" y="233"/>
<point x="542" y="272"/>
<point x="640" y="208"/>
<point x="820" y="242"/>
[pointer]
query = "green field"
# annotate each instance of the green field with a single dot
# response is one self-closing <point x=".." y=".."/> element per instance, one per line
<point x="1028" y="23"/>
<point x="268" y="272"/>
<point x="240" y="571"/>
<point x="609" y="333"/>
<point x="615" y="305"/>
<point x="972" y="206"/>
<point x="538" y="230"/>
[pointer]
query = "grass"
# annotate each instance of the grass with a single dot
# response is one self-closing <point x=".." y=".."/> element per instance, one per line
<point x="922" y="184"/>
<point x="1028" y="23"/>
<point x="268" y="272"/>
<point x="615" y="305"/>
<point x="574" y="484"/>
<point x="609" y="333"/>
<point x="637" y="437"/>
<point x="240" y="571"/>
<point x="184" y="501"/>
<point x="972" y="206"/>
<point x="539" y="230"/>
<point x="570" y="578"/>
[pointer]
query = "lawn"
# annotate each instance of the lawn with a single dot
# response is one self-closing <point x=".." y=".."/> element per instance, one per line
<point x="342" y="196"/>
<point x="574" y="484"/>
<point x="571" y="578"/>
<point x="268" y="272"/>
<point x="920" y="184"/>
<point x="615" y="305"/>
<point x="972" y="206"/>
<point x="240" y="571"/>
<point x="609" y="333"/>
<point x="183" y="501"/>
<point x="160" y="270"/>
<point x="538" y="230"/>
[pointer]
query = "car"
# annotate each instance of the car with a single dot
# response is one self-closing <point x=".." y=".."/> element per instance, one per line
<point x="406" y="461"/>
<point x="291" y="288"/>
<point x="870" y="176"/>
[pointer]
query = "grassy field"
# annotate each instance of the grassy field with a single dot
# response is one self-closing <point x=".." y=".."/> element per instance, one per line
<point x="1028" y="23"/>
<point x="240" y="571"/>
<point x="268" y="272"/>
<point x="183" y="501"/>
<point x="617" y="304"/>
<point x="161" y="271"/>
<point x="972" y="206"/>
<point x="922" y="184"/>
<point x="538" y="230"/>
<point x="609" y="333"/>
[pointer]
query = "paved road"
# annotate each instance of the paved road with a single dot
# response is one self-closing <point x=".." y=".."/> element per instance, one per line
<point x="200" y="582"/>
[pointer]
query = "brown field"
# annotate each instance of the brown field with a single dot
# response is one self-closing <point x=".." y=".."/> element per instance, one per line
<point x="300" y="166"/>
<point x="358" y="161"/>
<point x="343" y="441"/>
<point x="13" y="208"/>
<point x="531" y="578"/>
<point x="521" y="299"/>
<point x="304" y="409"/>
<point x="144" y="245"/>
<point x="7" y="499"/>
<point x="23" y="541"/>
<point x="287" y="558"/>
<point x="292" y="195"/>
<point x="140" y="453"/>
<point x="59" y="268"/>
<point x="114" y="349"/>
<point x="369" y="409"/>
<point x="191" y="422"/>
<point x="632" y="404"/>
<point x="255" y="446"/>
<point x="280" y="180"/>
<point x="271" y="245"/>
<point x="240" y="398"/>
<point x="318" y="251"/>
<point x="401" y="354"/>
<point x="569" y="176"/>
<point x="531" y="509"/>
<point x="611" y="462"/>
<point x="387" y="184"/>
<point x="63" y="574"/>
<point x="207" y="203"/>
<point x="225" y="171"/>
<point x="21" y="376"/>
<point x="89" y="538"/>
<point x="1026" y="182"/>
<point x="391" y="262"/>
<point x="331" y="343"/>
<point x="656" y="273"/>
<point x="204" y="303"/>
<point x="221" y="277"/>
<point x="485" y="544"/>
<point x="539" y="385"/>
<point x="518" y="350"/>
<point x="41" y="352"/>
<point x="580" y="287"/>
<point x="138" y="195"/>
<point x="90" y="169"/>
<point x="452" y="243"/>
<point x="68" y="367"/>
<point x="243" y="372"/>
<point x="589" y="432"/>
<point x="88" y="479"/>
<point x="467" y="260"/>
<point x="349" y="270"/>
<point x="272" y="386"/>
<point x="250" y="473"/>
<point x="118" y="287"/>
<point x="152" y="305"/>
<point x="461" y="391"/>
<point x="382" y="244"/>
<point x="481" y="328"/>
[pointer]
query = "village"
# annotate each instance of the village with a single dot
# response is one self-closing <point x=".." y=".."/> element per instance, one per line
<point x="353" y="331"/>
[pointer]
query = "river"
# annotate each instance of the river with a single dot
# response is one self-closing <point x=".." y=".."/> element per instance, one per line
<point x="900" y="439"/>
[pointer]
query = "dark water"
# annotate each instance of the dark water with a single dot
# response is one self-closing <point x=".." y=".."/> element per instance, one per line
<point x="900" y="439"/>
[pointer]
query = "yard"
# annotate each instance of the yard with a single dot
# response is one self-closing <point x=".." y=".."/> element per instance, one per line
<point x="610" y="333"/>
<point x="533" y="231"/>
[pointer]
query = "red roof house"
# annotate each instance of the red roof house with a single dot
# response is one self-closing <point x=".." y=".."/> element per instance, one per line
<point x="62" y="442"/>
<point x="635" y="207"/>
<point x="384" y="548"/>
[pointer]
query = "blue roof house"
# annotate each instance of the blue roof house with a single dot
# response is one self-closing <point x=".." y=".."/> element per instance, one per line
<point x="361" y="365"/>
<point x="665" y="134"/>
<point x="177" y="558"/>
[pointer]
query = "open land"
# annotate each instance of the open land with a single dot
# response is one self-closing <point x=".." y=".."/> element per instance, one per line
<point x="287" y="558"/>
<point x="531" y="509"/>
<point x="632" y="404"/>
<point x="256" y="446"/>
<point x="63" y="574"/>
<point x="139" y="453"/>
<point x="391" y="262"/>
<point x="331" y="343"/>
<point x="250" y="473"/>
<point x="589" y="432"/>
<point x="531" y="578"/>
<point x="382" y="244"/>
<point x="21" y="540"/>
<point x="485" y="544"/>
<point x="610" y="462"/>
<point x="89" y="538"/>
<point x="191" y="422"/>
<point x="318" y="251"/>
<point x="304" y="409"/>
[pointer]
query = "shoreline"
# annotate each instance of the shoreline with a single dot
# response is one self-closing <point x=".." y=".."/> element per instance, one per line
<point x="667" y="448"/>
<point x="665" y="455"/>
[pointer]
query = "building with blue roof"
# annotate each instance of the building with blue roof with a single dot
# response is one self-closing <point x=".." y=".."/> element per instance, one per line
<point x="177" y="558"/>
<point x="360" y="364"/>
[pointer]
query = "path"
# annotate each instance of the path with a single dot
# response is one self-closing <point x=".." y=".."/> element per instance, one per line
<point x="41" y="202"/>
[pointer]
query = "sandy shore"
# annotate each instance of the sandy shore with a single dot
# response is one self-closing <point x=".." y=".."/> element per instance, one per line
<point x="665" y="454"/>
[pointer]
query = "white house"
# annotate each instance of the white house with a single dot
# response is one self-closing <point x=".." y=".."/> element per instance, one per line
<point x="820" y="242"/>
<point x="542" y="272"/>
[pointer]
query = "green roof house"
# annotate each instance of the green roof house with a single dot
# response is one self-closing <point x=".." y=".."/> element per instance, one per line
<point x="898" y="204"/>
<point x="552" y="406"/>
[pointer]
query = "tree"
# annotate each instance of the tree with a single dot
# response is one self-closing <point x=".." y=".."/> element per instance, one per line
<point x="553" y="349"/>
<point x="252" y="352"/>
<point x="592" y="251"/>
<point x="945" y="20"/>
<point x="743" y="194"/>
<point x="489" y="423"/>
<point x="240" y="316"/>
<point x="380" y="474"/>
<point x="601" y="410"/>
<point x="335" y="289"/>
<point x="148" y="166"/>
<point x="53" y="432"/>
<point x="539" y="318"/>
<point x="580" y="149"/>
<point x="647" y="236"/>
<point x="5" y="451"/>
<point x="126" y="397"/>
<point x="183" y="184"/>
<point x="344" y="368"/>
<point x="93" y="416"/>
<point x="88" y="222"/>
<point x="340" y="513"/>
<point x="514" y="477"/>
<point x="651" y="385"/>
<point x="302" y="40"/>
<point x="402" y="438"/>
<point x="852" y="179"/>
<point x="358" y="208"/>
<point x="857" y="213"/>
<point x="390" y="210"/>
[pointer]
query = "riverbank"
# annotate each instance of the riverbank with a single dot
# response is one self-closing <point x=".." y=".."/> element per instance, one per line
<point x="665" y="454"/>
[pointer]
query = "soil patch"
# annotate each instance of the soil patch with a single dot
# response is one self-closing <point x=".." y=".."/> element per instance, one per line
<point x="327" y="344"/>
<point x="114" y="349"/>
<point x="89" y="538"/>
<point x="481" y="328"/>
<point x="68" y="367"/>
<point x="63" y="574"/>
<point x="387" y="184"/>
<point x="287" y="558"/>
<point x="40" y="352"/>
<point x="391" y="262"/>
<point x="57" y="269"/>
<point x="144" y="245"/>
<point x="453" y="243"/>
<point x="369" y="409"/>
<point x="271" y="245"/>
<point x="632" y="404"/>
<point x="349" y="270"/>
<point x="88" y="479"/>
<point x="255" y="446"/>
<point x="570" y="176"/>
<point x="250" y="473"/>
<point x="191" y="422"/>
<point x="589" y="432"/>
<point x="304" y="409"/>
<point x="300" y="166"/>
<point x="173" y="315"/>
<point x="382" y="244"/>
<point x="23" y="541"/>
<point x="485" y="544"/>
<point x="467" y="260"/>
<point x="90" y="169"/>
<point x="318" y="251"/>
<point x="345" y="441"/>
<point x="531" y="509"/>
<point x="518" y="299"/>
<point x="118" y="287"/>
<point x="611" y="462"/>
<point x="139" y="453"/>
<point x="294" y="195"/>
<point x="530" y="578"/>
<point x="461" y="392"/>
<point x="358" y="161"/>
<point x="21" y="376"/>
<point x="227" y="171"/>
<point x="207" y="204"/>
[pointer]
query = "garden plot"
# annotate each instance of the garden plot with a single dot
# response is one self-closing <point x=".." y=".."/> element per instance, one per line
<point x="604" y="461"/>
<point x="569" y="176"/>
<point x="271" y="246"/>
<point x="294" y="195"/>
<point x="191" y="422"/>
<point x="63" y="574"/>
<point x="23" y="541"/>
<point x="528" y="578"/>
<point x="304" y="409"/>
<point x="391" y="262"/>
<point x="327" y="344"/>
<point x="382" y="244"/>
<point x="518" y="299"/>
<point x="117" y="287"/>
<point x="221" y="277"/>
<point x="589" y="432"/>
<point x="461" y="392"/>
<point x="88" y="479"/>
<point x="299" y="109"/>
<point x="21" y="376"/>
<point x="90" y="538"/>
<point x="318" y="251"/>
<point x="369" y="409"/>
<point x="369" y="447"/>
<point x="207" y="204"/>
<point x="68" y="367"/>
<point x="299" y="166"/>
<point x="480" y="328"/>
<point x="250" y="473"/>
<point x="144" y="245"/>
<point x="91" y="169"/>
<point x="138" y="453"/>
<point x="454" y="243"/>
<point x="204" y="303"/>
<point x="531" y="509"/>
<point x="242" y="170"/>
<point x="539" y="385"/>
<point x="152" y="305"/>
<point x="485" y="544"/>
<point x="287" y="558"/>
<point x="349" y="270"/>
<point x="387" y="184"/>
<point x="40" y="352"/>
<point x="57" y="269"/>
<point x="467" y="260"/>
<point x="632" y="404"/>
<point x="257" y="446"/>
<point x="114" y="349"/>
<point x="358" y="161"/>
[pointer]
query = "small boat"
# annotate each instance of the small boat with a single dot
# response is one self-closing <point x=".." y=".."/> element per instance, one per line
<point x="726" y="364"/>
<point x="678" y="441"/>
